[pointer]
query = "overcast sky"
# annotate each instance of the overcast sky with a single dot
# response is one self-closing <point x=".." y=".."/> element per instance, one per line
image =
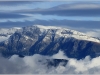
<point x="77" y="14"/>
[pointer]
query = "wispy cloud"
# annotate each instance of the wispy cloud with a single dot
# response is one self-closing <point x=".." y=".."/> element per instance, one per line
<point x="67" y="10"/>
<point x="4" y="15"/>
<point x="72" y="13"/>
<point x="70" y="23"/>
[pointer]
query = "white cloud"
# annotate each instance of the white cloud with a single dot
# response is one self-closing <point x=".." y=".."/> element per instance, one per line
<point x="60" y="55"/>
<point x="31" y="65"/>
<point x="93" y="33"/>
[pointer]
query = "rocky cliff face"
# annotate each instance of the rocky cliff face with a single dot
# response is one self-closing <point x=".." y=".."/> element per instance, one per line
<point x="48" y="40"/>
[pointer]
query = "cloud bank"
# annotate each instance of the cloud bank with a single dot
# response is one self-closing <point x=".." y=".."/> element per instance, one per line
<point x="31" y="65"/>
<point x="94" y="33"/>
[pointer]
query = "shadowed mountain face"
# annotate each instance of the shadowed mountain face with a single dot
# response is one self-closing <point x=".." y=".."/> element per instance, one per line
<point x="48" y="41"/>
<point x="55" y="62"/>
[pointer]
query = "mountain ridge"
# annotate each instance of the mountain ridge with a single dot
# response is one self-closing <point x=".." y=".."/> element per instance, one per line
<point x="48" y="40"/>
<point x="61" y="31"/>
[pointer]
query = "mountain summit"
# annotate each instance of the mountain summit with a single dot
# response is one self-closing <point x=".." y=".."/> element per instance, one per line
<point x="48" y="40"/>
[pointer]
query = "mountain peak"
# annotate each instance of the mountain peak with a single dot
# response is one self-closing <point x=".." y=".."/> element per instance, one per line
<point x="47" y="27"/>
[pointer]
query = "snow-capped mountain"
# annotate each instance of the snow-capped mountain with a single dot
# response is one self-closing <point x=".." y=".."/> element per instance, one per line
<point x="48" y="40"/>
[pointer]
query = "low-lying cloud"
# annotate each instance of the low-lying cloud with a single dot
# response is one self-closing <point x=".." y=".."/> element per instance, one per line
<point x="92" y="32"/>
<point x="31" y="65"/>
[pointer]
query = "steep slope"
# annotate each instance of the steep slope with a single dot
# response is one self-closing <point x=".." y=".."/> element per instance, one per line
<point x="48" y="40"/>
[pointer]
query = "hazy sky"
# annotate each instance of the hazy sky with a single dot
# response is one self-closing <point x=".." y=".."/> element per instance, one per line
<point x="79" y="14"/>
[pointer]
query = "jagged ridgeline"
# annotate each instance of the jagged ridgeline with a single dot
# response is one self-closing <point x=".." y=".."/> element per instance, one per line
<point x="48" y="40"/>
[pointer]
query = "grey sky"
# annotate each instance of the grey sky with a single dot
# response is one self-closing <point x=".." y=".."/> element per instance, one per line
<point x="85" y="14"/>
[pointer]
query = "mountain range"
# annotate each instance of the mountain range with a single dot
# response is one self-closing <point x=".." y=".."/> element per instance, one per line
<point x="47" y="40"/>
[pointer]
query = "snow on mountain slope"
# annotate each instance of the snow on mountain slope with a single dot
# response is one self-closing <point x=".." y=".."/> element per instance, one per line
<point x="51" y="30"/>
<point x="64" y="32"/>
<point x="5" y="33"/>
